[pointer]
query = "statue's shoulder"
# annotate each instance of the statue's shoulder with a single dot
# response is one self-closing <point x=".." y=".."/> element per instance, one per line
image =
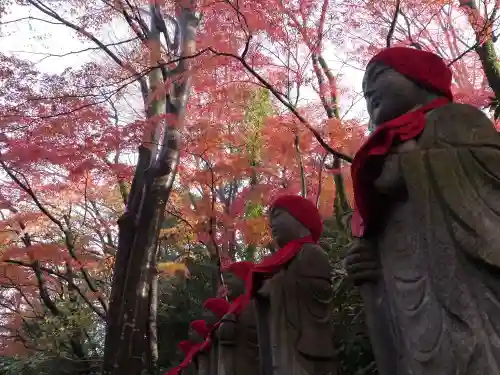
<point x="456" y="123"/>
<point x="459" y="112"/>
<point x="312" y="258"/>
<point x="312" y="251"/>
<point x="248" y="315"/>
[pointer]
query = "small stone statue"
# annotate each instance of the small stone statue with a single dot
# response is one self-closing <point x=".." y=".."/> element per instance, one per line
<point x="427" y="193"/>
<point x="237" y="334"/>
<point x="214" y="310"/>
<point x="234" y="277"/>
<point x="183" y="349"/>
<point x="198" y="332"/>
<point x="300" y="291"/>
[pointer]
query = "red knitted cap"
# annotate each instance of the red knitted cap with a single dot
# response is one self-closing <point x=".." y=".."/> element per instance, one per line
<point x="240" y="269"/>
<point x="200" y="327"/>
<point x="185" y="346"/>
<point x="422" y="67"/>
<point x="219" y="306"/>
<point x="303" y="210"/>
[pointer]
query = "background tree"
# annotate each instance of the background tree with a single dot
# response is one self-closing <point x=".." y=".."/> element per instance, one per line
<point x="275" y="92"/>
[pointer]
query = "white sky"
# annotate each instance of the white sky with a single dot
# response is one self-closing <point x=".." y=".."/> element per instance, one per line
<point x="36" y="41"/>
<point x="56" y="40"/>
<point x="17" y="39"/>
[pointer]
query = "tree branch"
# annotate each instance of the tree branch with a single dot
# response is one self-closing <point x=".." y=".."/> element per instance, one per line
<point x="393" y="23"/>
<point x="287" y="104"/>
<point x="68" y="235"/>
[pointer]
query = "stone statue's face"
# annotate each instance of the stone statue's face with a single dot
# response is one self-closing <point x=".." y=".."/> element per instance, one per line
<point x="389" y="94"/>
<point x="285" y="228"/>
<point x="179" y="353"/>
<point x="193" y="336"/>
<point x="209" y="317"/>
<point x="235" y="286"/>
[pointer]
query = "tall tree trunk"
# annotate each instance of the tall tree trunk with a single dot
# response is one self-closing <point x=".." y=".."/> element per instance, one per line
<point x="130" y="345"/>
<point x="485" y="43"/>
<point x="329" y="100"/>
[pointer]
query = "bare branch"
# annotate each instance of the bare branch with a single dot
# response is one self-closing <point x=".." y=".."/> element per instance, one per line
<point x="60" y="275"/>
<point x="287" y="104"/>
<point x="393" y="23"/>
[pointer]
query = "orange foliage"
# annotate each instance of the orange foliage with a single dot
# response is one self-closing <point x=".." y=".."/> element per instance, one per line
<point x="69" y="140"/>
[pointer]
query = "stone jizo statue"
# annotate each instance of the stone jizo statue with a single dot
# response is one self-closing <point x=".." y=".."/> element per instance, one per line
<point x="183" y="349"/>
<point x="214" y="310"/>
<point x="299" y="291"/>
<point x="237" y="334"/>
<point x="427" y="219"/>
<point x="234" y="278"/>
<point x="198" y="332"/>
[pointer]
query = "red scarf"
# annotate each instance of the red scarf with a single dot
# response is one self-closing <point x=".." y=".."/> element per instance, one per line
<point x="189" y="358"/>
<point x="200" y="327"/>
<point x="235" y="308"/>
<point x="186" y="362"/>
<point x="268" y="267"/>
<point x="274" y="263"/>
<point x="219" y="306"/>
<point x="206" y="345"/>
<point x="369" y="160"/>
<point x="173" y="371"/>
<point x="238" y="305"/>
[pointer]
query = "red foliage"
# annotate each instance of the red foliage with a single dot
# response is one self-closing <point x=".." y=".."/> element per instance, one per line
<point x="69" y="141"/>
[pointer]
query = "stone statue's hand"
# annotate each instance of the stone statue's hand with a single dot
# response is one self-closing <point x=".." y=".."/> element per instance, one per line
<point x="362" y="262"/>
<point x="223" y="291"/>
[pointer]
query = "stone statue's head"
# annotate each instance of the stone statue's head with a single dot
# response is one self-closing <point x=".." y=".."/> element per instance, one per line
<point x="292" y="217"/>
<point x="209" y="317"/>
<point x="400" y="79"/>
<point x="235" y="286"/>
<point x="183" y="348"/>
<point x="214" y="310"/>
<point x="193" y="336"/>
<point x="198" y="331"/>
<point x="234" y="277"/>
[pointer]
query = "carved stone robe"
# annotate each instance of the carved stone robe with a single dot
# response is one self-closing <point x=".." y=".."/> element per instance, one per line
<point x="200" y="364"/>
<point x="211" y="356"/>
<point x="238" y="344"/>
<point x="440" y="246"/>
<point x="203" y="363"/>
<point x="299" y="319"/>
<point x="216" y="360"/>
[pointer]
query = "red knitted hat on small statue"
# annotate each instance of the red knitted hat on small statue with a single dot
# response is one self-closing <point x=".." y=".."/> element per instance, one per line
<point x="303" y="210"/>
<point x="185" y="346"/>
<point x="200" y="327"/>
<point x="422" y="67"/>
<point x="219" y="306"/>
<point x="239" y="269"/>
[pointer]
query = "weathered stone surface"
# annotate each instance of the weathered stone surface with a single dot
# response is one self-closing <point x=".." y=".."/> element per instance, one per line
<point x="237" y="337"/>
<point x="301" y="333"/>
<point x="438" y="246"/>
<point x="300" y="321"/>
<point x="200" y="364"/>
<point x="441" y="275"/>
